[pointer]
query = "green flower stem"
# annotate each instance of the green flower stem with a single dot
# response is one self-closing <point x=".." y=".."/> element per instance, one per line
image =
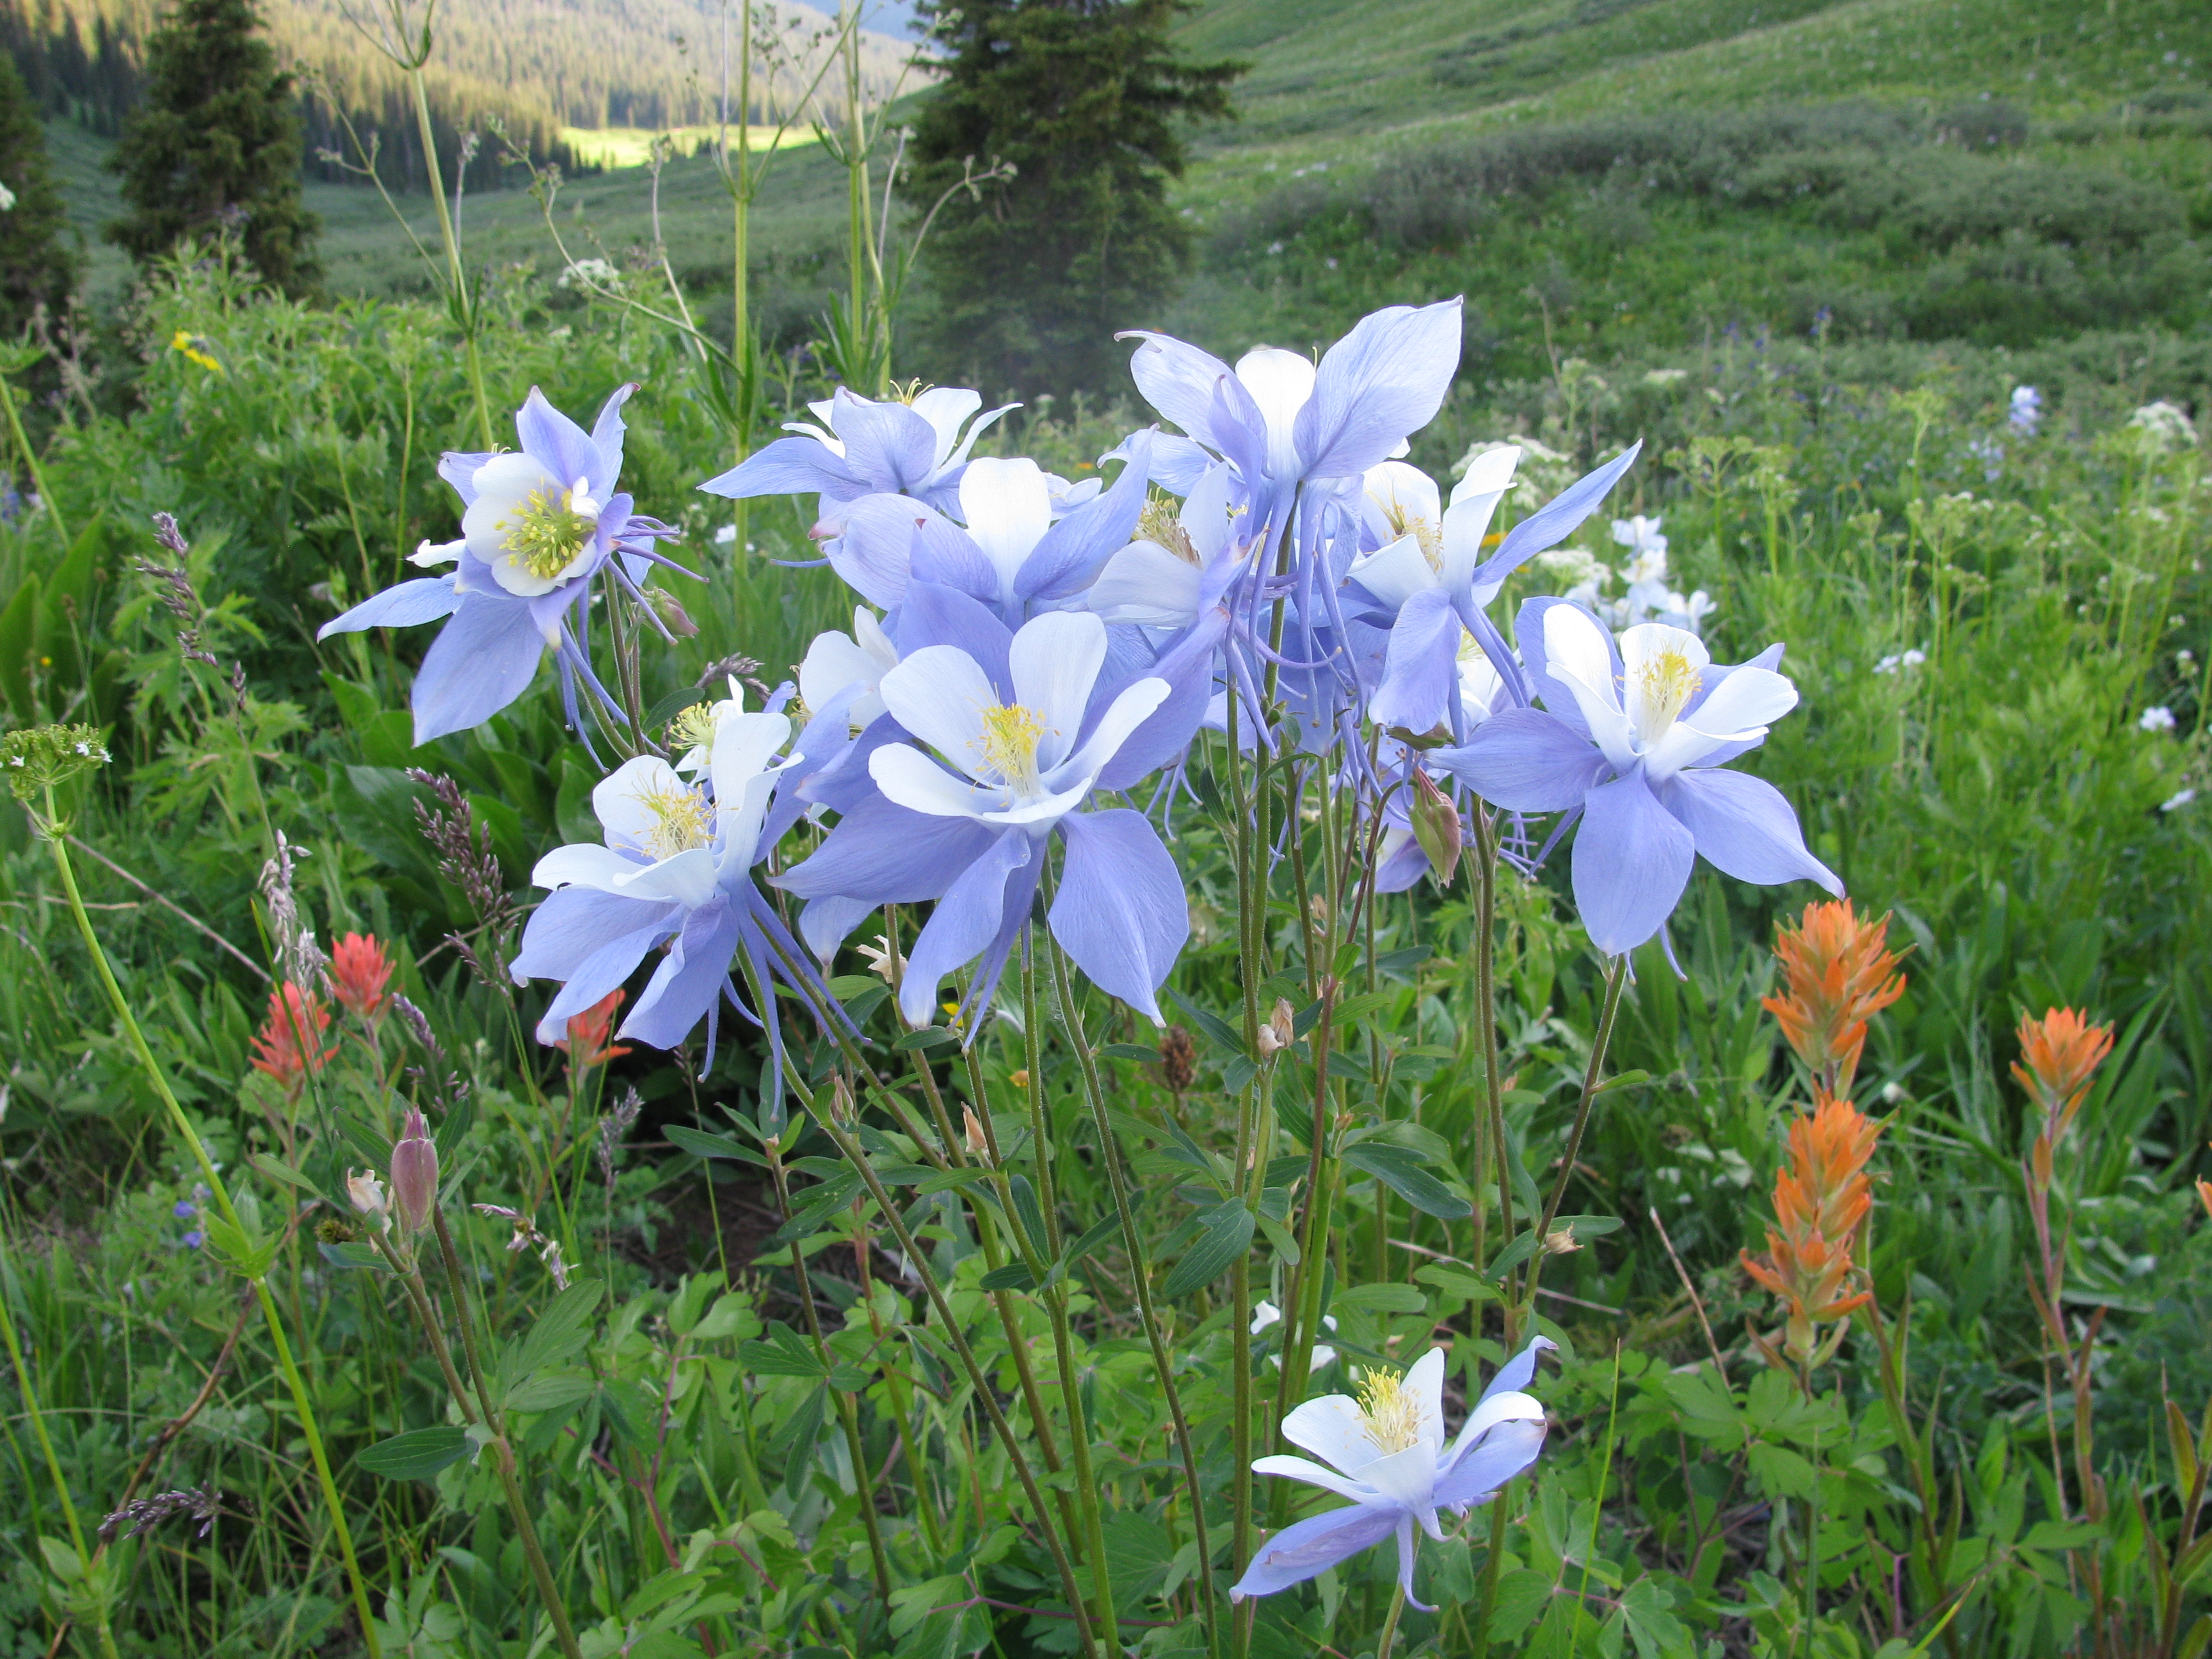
<point x="57" y="841"/>
<point x="981" y="1383"/>
<point x="1382" y="1642"/>
<point x="503" y="1456"/>
<point x="1488" y="1602"/>
<point x="1139" y="1274"/>
<point x="1490" y="1154"/>
<point x="1616" y="981"/>
<point x="848" y="1414"/>
<point x="464" y="308"/>
<point x="31" y="460"/>
<point x="54" y="1468"/>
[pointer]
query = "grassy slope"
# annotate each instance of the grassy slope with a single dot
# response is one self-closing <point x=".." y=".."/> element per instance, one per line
<point x="1337" y="84"/>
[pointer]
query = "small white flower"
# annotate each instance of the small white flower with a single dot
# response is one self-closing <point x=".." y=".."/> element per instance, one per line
<point x="2168" y="426"/>
<point x="2157" y="718"/>
<point x="2177" y="800"/>
<point x="725" y="535"/>
<point x="1265" y="1313"/>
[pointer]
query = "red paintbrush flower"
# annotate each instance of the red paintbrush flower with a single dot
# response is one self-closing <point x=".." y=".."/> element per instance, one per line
<point x="360" y="969"/>
<point x="293" y="1015"/>
<point x="587" y="1042"/>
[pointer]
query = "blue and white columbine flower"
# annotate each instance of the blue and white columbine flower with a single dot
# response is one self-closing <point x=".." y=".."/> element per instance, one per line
<point x="1388" y="1452"/>
<point x="1019" y="742"/>
<point x="538" y="524"/>
<point x="674" y="870"/>
<point x="867" y="448"/>
<point x="1633" y="739"/>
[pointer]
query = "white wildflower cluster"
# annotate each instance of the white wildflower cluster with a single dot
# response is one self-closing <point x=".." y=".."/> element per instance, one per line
<point x="2166" y="426"/>
<point x="1647" y="597"/>
<point x="2157" y="718"/>
<point x="1901" y="660"/>
<point x="589" y="273"/>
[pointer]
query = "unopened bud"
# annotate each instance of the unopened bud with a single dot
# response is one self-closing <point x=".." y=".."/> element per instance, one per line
<point x="979" y="1144"/>
<point x="1019" y="1079"/>
<point x="1281" y="1031"/>
<point x="841" y="1103"/>
<point x="673" y="616"/>
<point x="1437" y="827"/>
<point x="1560" y="1242"/>
<point x="415" y="1174"/>
<point x="367" y="1194"/>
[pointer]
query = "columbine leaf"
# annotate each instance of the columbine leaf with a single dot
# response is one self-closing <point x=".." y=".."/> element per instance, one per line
<point x="1224" y="1234"/>
<point x="1401" y="1169"/>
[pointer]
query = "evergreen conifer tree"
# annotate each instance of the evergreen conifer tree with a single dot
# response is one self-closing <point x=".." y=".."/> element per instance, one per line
<point x="215" y="146"/>
<point x="36" y="265"/>
<point x="1087" y="99"/>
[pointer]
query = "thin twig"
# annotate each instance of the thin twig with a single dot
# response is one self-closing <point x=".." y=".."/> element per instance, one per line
<point x="169" y="905"/>
<point x="1696" y="1300"/>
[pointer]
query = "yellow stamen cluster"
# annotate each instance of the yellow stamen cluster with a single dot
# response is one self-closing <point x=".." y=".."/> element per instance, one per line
<point x="1009" y="744"/>
<point x="694" y="728"/>
<point x="906" y="391"/>
<point x="682" y="820"/>
<point x="1392" y="1417"/>
<point x="545" y="533"/>
<point x="1664" y="684"/>
<point x="1160" y="523"/>
<point x="1404" y="521"/>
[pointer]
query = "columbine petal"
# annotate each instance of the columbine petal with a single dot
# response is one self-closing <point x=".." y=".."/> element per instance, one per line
<point x="1578" y="657"/>
<point x="1314" y="1475"/>
<point x="1054" y="663"/>
<point x="1395" y="571"/>
<point x="1281" y="382"/>
<point x="966" y="920"/>
<point x="1745" y="827"/>
<point x="1517" y="1372"/>
<point x="1131" y="708"/>
<point x="1525" y="760"/>
<point x="1507" y="1451"/>
<point x="1631" y="860"/>
<point x="1008" y="507"/>
<point x="918" y="783"/>
<point x="1384" y="380"/>
<point x="689" y="980"/>
<point x="603" y="971"/>
<point x="426" y="598"/>
<point x="939" y="694"/>
<point x="1332" y="1427"/>
<point x="1145" y="584"/>
<point x="1424" y="1385"/>
<point x="481" y="661"/>
<point x="1421" y="666"/>
<point x="1311" y="1547"/>
<point x="555" y="443"/>
<point x="1120" y="909"/>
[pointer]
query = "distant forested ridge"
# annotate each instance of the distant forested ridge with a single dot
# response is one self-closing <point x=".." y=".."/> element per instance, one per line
<point x="536" y="65"/>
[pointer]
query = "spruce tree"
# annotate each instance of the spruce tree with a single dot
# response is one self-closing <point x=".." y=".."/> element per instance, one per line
<point x="1088" y="100"/>
<point x="36" y="265"/>
<point x="215" y="146"/>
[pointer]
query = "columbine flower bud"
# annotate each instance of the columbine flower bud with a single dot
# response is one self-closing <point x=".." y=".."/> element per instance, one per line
<point x="1280" y="1032"/>
<point x="673" y="616"/>
<point x="1437" y="827"/>
<point x="366" y="1193"/>
<point x="415" y="1174"/>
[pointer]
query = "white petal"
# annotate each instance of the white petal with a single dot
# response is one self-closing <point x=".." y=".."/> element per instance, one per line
<point x="868" y="634"/>
<point x="1406" y="1479"/>
<point x="1574" y="652"/>
<point x="1204" y="515"/>
<point x="744" y="746"/>
<point x="619" y="798"/>
<point x="1737" y="710"/>
<point x="689" y="878"/>
<point x="1036" y="811"/>
<point x="833" y="662"/>
<point x="1281" y="382"/>
<point x="944" y="407"/>
<point x="1467" y="521"/>
<point x="1130" y="709"/>
<point x="1491" y="474"/>
<point x="1145" y="584"/>
<point x="1054" y="661"/>
<point x="1300" y="1468"/>
<point x="1332" y="1427"/>
<point x="1399" y="493"/>
<point x="910" y="779"/>
<point x="1264" y="1314"/>
<point x="1008" y="507"/>
<point x="939" y="695"/>
<point x="584" y="864"/>
<point x="430" y="555"/>
<point x="1394" y="574"/>
<point x="1424" y="1385"/>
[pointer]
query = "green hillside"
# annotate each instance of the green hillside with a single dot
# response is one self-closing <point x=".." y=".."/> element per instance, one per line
<point x="1356" y="173"/>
